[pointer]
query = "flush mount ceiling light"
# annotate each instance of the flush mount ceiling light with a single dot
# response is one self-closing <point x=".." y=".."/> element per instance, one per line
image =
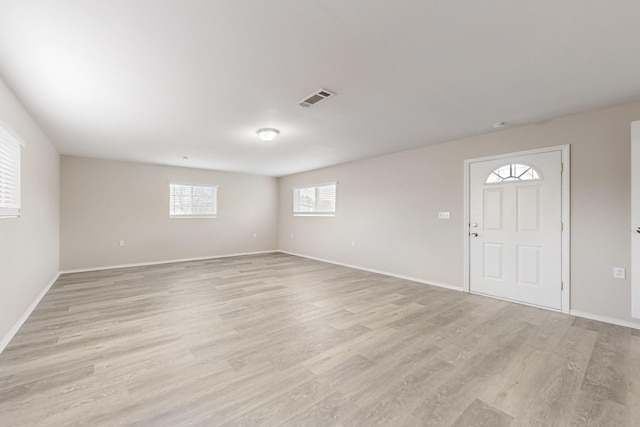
<point x="267" y="134"/>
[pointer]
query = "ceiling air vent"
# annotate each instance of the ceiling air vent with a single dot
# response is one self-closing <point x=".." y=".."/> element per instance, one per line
<point x="315" y="98"/>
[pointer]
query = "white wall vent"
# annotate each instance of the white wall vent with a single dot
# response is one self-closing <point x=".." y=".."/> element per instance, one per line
<point x="315" y="98"/>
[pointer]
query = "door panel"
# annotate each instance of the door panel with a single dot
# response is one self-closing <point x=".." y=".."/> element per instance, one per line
<point x="515" y="251"/>
<point x="528" y="208"/>
<point x="493" y="261"/>
<point x="493" y="209"/>
<point x="529" y="265"/>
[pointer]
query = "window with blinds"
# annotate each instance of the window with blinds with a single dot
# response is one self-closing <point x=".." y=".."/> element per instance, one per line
<point x="192" y="201"/>
<point x="10" y="148"/>
<point x="318" y="200"/>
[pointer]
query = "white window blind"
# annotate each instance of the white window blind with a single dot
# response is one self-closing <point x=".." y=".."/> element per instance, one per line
<point x="317" y="200"/>
<point x="192" y="201"/>
<point x="10" y="148"/>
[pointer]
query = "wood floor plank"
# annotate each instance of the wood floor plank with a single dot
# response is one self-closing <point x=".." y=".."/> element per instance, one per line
<point x="278" y="340"/>
<point x="481" y="414"/>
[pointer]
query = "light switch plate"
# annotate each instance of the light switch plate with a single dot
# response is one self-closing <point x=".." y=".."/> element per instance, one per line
<point x="444" y="215"/>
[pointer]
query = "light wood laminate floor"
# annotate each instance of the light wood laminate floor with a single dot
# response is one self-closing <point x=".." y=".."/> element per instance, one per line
<point x="278" y="340"/>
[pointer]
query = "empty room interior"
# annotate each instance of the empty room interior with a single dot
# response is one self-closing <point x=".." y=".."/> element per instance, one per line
<point x="319" y="213"/>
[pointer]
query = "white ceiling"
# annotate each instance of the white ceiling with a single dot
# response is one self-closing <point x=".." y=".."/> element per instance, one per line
<point x="156" y="80"/>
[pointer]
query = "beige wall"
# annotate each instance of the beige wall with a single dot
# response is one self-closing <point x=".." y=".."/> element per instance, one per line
<point x="388" y="205"/>
<point x="29" y="244"/>
<point x="103" y="202"/>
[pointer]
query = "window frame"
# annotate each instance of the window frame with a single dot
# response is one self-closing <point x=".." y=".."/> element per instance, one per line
<point x="10" y="144"/>
<point x="516" y="178"/>
<point x="316" y="188"/>
<point x="185" y="216"/>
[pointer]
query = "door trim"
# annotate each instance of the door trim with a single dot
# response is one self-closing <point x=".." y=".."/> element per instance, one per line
<point x="565" y="151"/>
<point x="635" y="210"/>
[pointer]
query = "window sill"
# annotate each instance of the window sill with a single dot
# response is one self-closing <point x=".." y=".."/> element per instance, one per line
<point x="191" y="216"/>
<point x="314" y="214"/>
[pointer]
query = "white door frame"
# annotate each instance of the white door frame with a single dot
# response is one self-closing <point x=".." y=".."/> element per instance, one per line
<point x="566" y="217"/>
<point x="635" y="211"/>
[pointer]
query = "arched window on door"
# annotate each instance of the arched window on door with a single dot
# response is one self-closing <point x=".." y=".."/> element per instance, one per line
<point x="513" y="172"/>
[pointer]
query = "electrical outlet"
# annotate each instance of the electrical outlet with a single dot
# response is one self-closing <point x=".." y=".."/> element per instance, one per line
<point x="619" y="273"/>
<point x="121" y="242"/>
<point x="292" y="235"/>
<point x="444" y="215"/>
<point x="353" y="243"/>
<point x="255" y="235"/>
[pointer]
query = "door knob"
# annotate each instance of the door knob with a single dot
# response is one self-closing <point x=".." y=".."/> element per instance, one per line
<point x="474" y="225"/>
<point x="476" y="234"/>
<point x="638" y="230"/>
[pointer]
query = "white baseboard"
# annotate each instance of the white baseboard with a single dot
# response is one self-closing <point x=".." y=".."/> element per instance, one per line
<point x="386" y="273"/>
<point x="170" y="261"/>
<point x="605" y="319"/>
<point x="577" y="313"/>
<point x="16" y="327"/>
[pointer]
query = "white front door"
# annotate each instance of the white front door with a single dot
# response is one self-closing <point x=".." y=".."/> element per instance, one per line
<point x="515" y="235"/>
